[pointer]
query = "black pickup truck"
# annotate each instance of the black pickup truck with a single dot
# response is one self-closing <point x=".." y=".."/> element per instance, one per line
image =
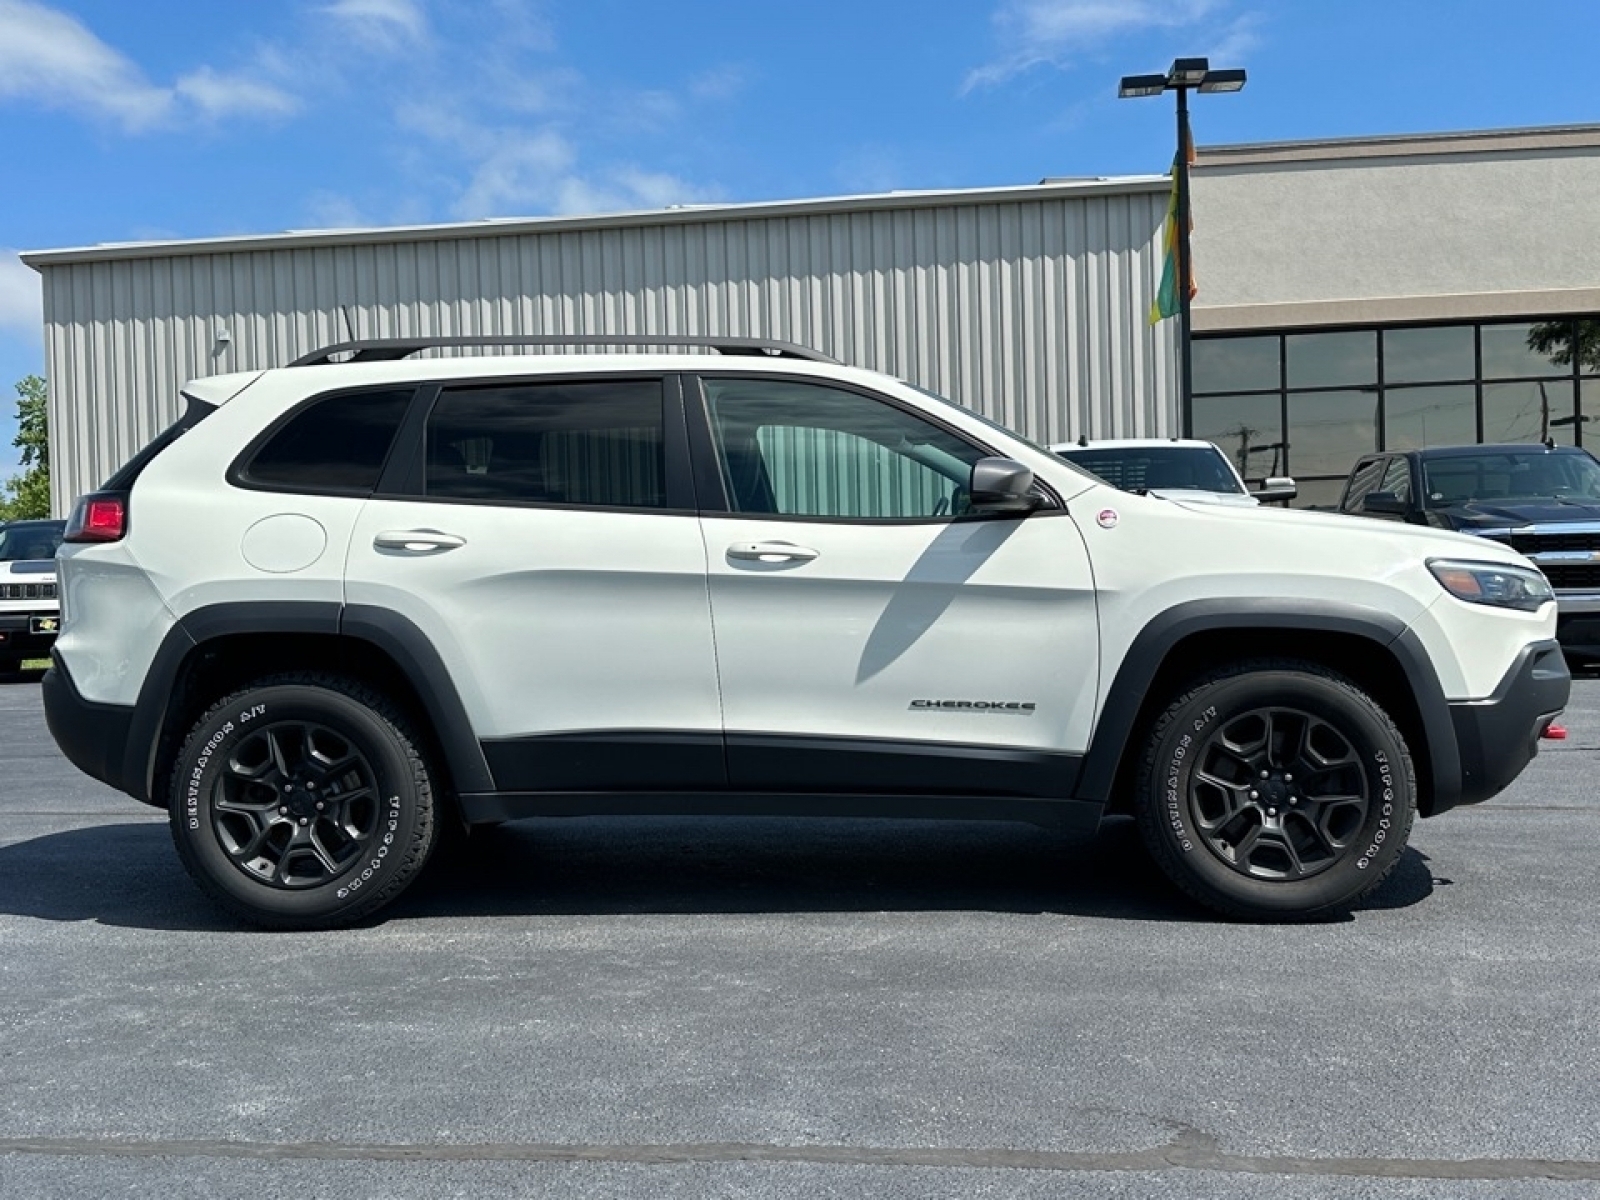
<point x="1541" y="500"/>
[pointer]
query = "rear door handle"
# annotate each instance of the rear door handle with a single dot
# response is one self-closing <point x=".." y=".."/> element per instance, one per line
<point x="771" y="552"/>
<point x="417" y="541"/>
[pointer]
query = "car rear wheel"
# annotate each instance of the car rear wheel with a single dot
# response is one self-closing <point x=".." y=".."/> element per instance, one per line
<point x="302" y="802"/>
<point x="1276" y="790"/>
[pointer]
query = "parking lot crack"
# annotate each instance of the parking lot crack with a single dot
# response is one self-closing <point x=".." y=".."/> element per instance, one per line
<point x="1190" y="1150"/>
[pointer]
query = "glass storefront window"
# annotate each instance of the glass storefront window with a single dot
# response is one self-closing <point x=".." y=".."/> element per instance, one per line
<point x="1415" y="417"/>
<point x="1243" y="364"/>
<point x="1522" y="349"/>
<point x="1328" y="431"/>
<point x="1427" y="355"/>
<point x="1589" y="397"/>
<point x="1528" y="412"/>
<point x="1588" y="335"/>
<point x="1248" y="429"/>
<point x="1319" y="493"/>
<point x="1433" y="376"/>
<point x="1331" y="359"/>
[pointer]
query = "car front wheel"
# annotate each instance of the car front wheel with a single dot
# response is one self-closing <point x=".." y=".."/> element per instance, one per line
<point x="1276" y="791"/>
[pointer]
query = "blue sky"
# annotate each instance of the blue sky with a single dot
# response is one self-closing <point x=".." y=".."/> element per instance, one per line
<point x="137" y="119"/>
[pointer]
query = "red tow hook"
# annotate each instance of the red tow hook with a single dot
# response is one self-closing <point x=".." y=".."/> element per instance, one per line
<point x="1556" y="733"/>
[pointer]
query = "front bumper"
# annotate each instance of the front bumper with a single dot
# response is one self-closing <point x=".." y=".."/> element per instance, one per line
<point x="28" y="634"/>
<point x="1499" y="736"/>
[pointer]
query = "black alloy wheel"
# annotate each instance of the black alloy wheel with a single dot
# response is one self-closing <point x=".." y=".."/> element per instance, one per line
<point x="1276" y="790"/>
<point x="296" y="804"/>
<point x="303" y="802"/>
<point x="1278" y="793"/>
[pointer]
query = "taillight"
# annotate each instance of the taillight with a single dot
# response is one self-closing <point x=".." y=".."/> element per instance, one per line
<point x="98" y="517"/>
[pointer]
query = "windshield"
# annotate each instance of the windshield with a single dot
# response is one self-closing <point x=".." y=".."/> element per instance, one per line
<point x="1510" y="475"/>
<point x="977" y="416"/>
<point x="30" y="540"/>
<point x="1151" y="468"/>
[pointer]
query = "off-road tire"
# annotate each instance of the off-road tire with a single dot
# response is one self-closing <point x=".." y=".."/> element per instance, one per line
<point x="1223" y="813"/>
<point x="302" y="802"/>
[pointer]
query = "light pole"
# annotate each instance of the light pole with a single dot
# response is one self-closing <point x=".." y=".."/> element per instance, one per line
<point x="1186" y="75"/>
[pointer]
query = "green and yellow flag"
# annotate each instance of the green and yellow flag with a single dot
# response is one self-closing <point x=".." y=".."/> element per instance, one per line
<point x="1166" y="302"/>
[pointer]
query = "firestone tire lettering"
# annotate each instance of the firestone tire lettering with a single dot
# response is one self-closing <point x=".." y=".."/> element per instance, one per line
<point x="217" y="792"/>
<point x="1219" y="809"/>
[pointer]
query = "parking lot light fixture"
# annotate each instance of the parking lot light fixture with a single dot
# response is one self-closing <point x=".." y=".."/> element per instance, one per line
<point x="1142" y="85"/>
<point x="1185" y="75"/>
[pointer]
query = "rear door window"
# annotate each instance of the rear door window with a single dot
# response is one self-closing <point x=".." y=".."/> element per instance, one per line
<point x="588" y="443"/>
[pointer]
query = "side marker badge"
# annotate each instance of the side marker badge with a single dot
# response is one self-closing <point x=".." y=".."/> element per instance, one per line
<point x="1107" y="518"/>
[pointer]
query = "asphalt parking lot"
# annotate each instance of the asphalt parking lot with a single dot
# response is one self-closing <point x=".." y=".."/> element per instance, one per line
<point x="800" y="1009"/>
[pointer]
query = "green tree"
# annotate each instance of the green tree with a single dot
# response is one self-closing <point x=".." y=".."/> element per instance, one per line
<point x="28" y="494"/>
<point x="1559" y="341"/>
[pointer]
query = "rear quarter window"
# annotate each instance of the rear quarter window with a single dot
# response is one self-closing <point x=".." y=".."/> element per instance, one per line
<point x="335" y="444"/>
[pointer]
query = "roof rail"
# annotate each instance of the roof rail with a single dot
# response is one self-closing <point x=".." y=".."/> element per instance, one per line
<point x="387" y="349"/>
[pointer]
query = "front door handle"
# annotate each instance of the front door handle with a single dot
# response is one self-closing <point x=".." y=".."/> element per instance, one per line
<point x="417" y="541"/>
<point x="771" y="552"/>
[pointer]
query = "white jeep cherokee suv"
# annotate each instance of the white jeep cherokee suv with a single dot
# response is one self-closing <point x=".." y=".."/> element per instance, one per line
<point x="341" y="604"/>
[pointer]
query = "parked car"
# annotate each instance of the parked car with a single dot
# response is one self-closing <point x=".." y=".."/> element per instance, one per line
<point x="1176" y="468"/>
<point x="1543" y="501"/>
<point x="470" y="589"/>
<point x="30" y="613"/>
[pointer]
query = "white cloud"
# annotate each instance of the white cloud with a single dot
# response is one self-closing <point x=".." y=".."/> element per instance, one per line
<point x="1033" y="32"/>
<point x="382" y="24"/>
<point x="329" y="210"/>
<point x="537" y="175"/>
<point x="870" y="169"/>
<point x="1237" y="42"/>
<point x="519" y="174"/>
<point x="507" y="146"/>
<point x="720" y="83"/>
<point x="218" y="95"/>
<point x="21" y="298"/>
<point x="52" y="58"/>
<point x="624" y="189"/>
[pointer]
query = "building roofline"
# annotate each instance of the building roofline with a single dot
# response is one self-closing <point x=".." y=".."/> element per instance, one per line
<point x="1401" y="145"/>
<point x="295" y="239"/>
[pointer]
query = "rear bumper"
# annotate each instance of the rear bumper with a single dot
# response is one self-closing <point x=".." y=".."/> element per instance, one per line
<point x="94" y="737"/>
<point x="1499" y="736"/>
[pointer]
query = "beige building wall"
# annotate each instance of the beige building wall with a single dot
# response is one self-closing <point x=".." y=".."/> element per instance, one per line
<point x="1448" y="226"/>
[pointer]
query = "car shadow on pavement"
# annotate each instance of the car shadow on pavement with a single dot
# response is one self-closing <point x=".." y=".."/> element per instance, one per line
<point x="129" y="875"/>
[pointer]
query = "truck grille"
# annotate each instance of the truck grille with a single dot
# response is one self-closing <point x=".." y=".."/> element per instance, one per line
<point x="1584" y="576"/>
<point x="27" y="591"/>
<point x="1532" y="543"/>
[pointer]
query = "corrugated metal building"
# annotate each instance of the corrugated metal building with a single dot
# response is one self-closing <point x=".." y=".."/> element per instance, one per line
<point x="1027" y="304"/>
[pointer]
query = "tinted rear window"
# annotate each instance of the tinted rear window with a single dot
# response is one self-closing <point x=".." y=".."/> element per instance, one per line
<point x="335" y="444"/>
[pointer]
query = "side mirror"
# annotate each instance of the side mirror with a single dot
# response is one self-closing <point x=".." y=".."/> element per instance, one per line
<point x="1001" y="485"/>
<point x="1384" y="503"/>
<point x="1277" y="488"/>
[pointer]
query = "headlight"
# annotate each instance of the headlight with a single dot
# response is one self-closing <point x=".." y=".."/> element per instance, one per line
<point x="1492" y="583"/>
